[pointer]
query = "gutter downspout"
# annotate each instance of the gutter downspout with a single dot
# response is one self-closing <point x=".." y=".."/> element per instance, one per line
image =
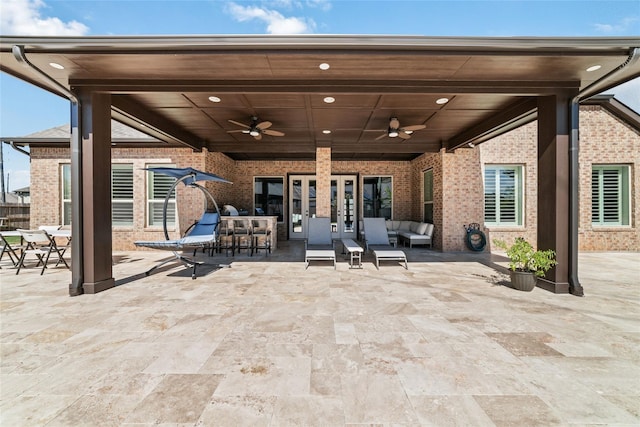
<point x="77" y="249"/>
<point x="575" y="288"/>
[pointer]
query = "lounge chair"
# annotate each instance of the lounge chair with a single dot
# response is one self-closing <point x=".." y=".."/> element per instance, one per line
<point x="319" y="246"/>
<point x="377" y="240"/>
<point x="202" y="235"/>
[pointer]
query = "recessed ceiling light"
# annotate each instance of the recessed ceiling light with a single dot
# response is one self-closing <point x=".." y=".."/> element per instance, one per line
<point x="56" y="65"/>
<point x="324" y="66"/>
<point x="329" y="99"/>
<point x="326" y="131"/>
<point x="594" y="68"/>
<point x="214" y="99"/>
<point x="442" y="101"/>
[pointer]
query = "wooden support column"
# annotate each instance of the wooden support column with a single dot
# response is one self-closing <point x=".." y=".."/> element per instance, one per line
<point x="554" y="191"/>
<point x="91" y="194"/>
<point x="323" y="181"/>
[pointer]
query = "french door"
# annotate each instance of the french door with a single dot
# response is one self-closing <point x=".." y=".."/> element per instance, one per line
<point x="302" y="205"/>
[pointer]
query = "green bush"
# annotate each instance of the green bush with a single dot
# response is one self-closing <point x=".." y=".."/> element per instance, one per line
<point x="523" y="257"/>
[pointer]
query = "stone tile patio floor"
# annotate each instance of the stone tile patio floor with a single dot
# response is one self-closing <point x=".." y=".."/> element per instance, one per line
<point x="268" y="343"/>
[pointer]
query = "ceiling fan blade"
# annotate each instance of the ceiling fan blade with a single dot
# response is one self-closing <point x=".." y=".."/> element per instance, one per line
<point x="394" y="123"/>
<point x="404" y="135"/>
<point x="273" y="132"/>
<point x="239" y="124"/>
<point x="236" y="131"/>
<point x="258" y="136"/>
<point x="413" y="127"/>
<point x="381" y="136"/>
<point x="264" y="125"/>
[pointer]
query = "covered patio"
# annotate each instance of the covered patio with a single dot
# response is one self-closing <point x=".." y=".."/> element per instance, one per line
<point x="335" y="100"/>
<point x="266" y="342"/>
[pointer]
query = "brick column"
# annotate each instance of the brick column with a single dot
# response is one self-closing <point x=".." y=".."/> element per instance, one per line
<point x="323" y="181"/>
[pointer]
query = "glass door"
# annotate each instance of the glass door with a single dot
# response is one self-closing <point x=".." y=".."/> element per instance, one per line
<point x="302" y="204"/>
<point x="343" y="207"/>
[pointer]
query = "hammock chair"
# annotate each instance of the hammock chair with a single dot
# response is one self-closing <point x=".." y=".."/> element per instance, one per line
<point x="201" y="235"/>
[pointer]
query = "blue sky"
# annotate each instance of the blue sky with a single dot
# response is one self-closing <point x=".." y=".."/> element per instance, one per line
<point x="25" y="109"/>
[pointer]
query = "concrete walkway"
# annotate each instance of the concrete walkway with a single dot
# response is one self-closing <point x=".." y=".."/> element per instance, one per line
<point x="268" y="343"/>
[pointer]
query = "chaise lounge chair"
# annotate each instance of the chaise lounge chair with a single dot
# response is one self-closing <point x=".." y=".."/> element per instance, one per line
<point x="202" y="235"/>
<point x="377" y="240"/>
<point x="319" y="245"/>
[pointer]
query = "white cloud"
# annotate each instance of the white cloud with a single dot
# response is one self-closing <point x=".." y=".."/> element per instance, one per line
<point x="276" y="22"/>
<point x="324" y="5"/>
<point x="22" y="17"/>
<point x="624" y="25"/>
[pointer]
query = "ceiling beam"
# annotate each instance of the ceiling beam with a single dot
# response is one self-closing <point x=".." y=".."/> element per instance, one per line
<point x="513" y="116"/>
<point x="323" y="86"/>
<point x="134" y="114"/>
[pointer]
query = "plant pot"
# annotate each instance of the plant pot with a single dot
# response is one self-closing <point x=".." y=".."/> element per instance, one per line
<point x="523" y="280"/>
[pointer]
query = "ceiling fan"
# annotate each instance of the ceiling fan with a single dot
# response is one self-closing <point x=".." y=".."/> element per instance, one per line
<point x="395" y="130"/>
<point x="256" y="129"/>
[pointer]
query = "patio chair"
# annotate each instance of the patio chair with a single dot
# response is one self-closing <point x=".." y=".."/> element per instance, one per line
<point x="42" y="245"/>
<point x="319" y="246"/>
<point x="377" y="240"/>
<point x="202" y="235"/>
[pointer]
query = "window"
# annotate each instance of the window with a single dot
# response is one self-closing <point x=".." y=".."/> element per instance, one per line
<point x="427" y="212"/>
<point x="268" y="196"/>
<point x="377" y="195"/>
<point x="122" y="194"/>
<point x="158" y="186"/>
<point x="610" y="195"/>
<point x="65" y="172"/>
<point x="503" y="195"/>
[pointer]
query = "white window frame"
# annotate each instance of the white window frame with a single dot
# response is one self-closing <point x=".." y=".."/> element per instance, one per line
<point x="621" y="206"/>
<point x="519" y="189"/>
<point x="363" y="191"/>
<point x="157" y="203"/>
<point x="65" y="201"/>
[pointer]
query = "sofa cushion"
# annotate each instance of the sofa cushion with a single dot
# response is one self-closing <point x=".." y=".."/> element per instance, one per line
<point x="405" y="226"/>
<point x="389" y="224"/>
<point x="396" y="225"/>
<point x="429" y="231"/>
<point x="422" y="227"/>
<point x="414" y="226"/>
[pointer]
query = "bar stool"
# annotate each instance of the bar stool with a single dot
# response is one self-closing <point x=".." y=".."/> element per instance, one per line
<point x="225" y="236"/>
<point x="261" y="231"/>
<point x="242" y="235"/>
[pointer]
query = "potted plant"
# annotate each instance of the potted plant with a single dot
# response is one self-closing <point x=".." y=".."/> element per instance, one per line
<point x="526" y="263"/>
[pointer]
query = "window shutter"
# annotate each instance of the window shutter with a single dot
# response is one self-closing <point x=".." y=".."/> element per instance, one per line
<point x="507" y="185"/>
<point x="611" y="196"/>
<point x="490" y="205"/>
<point x="122" y="194"/>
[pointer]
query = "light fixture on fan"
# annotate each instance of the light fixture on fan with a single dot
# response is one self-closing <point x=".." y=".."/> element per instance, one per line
<point x="255" y="128"/>
<point x="395" y="130"/>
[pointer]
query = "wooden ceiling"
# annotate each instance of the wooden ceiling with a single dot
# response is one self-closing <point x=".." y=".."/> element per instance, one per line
<point x="162" y="85"/>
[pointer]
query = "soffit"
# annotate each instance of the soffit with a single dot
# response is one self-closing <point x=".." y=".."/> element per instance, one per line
<point x="164" y="83"/>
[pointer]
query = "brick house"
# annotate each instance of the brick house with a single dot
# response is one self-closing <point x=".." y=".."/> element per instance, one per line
<point x="610" y="136"/>
<point x="344" y="110"/>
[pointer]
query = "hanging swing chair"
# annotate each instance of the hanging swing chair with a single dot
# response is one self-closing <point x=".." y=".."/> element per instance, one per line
<point x="202" y="234"/>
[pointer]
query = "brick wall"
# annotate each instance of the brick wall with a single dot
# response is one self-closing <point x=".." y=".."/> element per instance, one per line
<point x="604" y="139"/>
<point x="457" y="180"/>
<point x="518" y="147"/>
